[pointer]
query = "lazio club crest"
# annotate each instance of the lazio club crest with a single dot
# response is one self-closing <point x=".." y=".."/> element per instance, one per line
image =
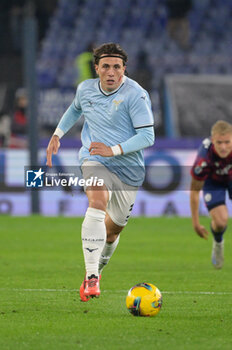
<point x="117" y="103"/>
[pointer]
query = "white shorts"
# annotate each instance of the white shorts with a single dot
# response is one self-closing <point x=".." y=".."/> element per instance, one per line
<point x="121" y="195"/>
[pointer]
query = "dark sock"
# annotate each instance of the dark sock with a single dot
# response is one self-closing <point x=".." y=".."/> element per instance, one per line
<point x="92" y="276"/>
<point x="218" y="236"/>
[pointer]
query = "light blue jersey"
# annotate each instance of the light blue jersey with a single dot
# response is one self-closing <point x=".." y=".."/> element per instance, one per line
<point x="122" y="117"/>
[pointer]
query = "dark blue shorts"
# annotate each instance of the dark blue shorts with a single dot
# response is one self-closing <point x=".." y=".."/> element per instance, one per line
<point x="215" y="193"/>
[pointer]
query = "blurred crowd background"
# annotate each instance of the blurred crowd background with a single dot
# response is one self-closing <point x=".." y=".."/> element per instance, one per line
<point x="162" y="37"/>
<point x="179" y="50"/>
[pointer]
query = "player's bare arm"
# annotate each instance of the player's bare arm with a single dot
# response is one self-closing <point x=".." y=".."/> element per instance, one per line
<point x="52" y="148"/>
<point x="99" y="148"/>
<point x="196" y="187"/>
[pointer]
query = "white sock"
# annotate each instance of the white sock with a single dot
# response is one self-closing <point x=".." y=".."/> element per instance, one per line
<point x="93" y="239"/>
<point x="106" y="254"/>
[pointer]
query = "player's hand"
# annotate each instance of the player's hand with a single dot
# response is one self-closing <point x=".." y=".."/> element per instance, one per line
<point x="52" y="148"/>
<point x="99" y="148"/>
<point x="201" y="231"/>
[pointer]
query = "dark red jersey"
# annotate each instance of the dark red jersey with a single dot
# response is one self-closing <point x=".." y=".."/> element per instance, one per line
<point x="208" y="164"/>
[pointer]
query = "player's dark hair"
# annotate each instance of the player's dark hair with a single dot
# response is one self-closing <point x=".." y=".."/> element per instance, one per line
<point x="109" y="50"/>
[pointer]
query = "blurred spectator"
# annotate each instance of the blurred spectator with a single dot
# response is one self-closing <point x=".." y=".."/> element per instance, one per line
<point x="19" y="122"/>
<point x="4" y="129"/>
<point x="84" y="65"/>
<point x="178" y="22"/>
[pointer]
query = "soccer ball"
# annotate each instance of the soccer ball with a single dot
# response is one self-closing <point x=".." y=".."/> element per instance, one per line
<point x="144" y="299"/>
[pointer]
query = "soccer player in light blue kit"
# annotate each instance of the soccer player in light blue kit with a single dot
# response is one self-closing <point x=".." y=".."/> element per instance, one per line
<point x="118" y="126"/>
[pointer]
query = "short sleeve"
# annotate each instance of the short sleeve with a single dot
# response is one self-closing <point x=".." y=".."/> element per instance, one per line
<point x="201" y="168"/>
<point x="140" y="110"/>
<point x="76" y="101"/>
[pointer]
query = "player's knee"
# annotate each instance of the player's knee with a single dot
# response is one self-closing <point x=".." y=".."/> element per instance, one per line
<point x="98" y="199"/>
<point x="98" y="203"/>
<point x="220" y="223"/>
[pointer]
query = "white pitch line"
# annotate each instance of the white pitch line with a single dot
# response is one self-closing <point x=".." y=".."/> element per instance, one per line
<point x="197" y="292"/>
<point x="110" y="291"/>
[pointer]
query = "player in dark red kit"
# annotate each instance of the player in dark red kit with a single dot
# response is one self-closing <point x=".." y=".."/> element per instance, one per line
<point x="212" y="172"/>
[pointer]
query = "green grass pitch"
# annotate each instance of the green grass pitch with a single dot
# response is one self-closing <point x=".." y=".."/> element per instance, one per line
<point x="41" y="269"/>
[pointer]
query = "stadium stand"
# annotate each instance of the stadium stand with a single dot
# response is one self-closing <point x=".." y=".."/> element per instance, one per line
<point x="137" y="25"/>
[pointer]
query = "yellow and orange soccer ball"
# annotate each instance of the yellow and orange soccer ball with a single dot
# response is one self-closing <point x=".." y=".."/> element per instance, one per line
<point x="144" y="299"/>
